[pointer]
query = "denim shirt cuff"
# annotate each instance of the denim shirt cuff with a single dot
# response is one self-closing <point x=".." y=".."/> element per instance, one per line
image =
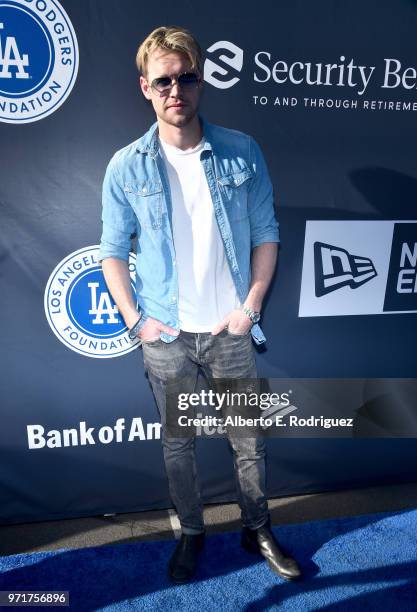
<point x="257" y="334"/>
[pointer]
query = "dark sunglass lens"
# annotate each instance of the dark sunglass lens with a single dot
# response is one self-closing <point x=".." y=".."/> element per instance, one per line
<point x="162" y="83"/>
<point x="188" y="78"/>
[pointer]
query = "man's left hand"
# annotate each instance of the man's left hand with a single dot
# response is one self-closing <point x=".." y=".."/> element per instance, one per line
<point x="236" y="321"/>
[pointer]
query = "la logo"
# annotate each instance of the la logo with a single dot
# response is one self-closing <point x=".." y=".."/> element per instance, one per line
<point x="10" y="56"/>
<point x="104" y="306"/>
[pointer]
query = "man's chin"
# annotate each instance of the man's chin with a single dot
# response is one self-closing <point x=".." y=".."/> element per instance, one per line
<point x="179" y="119"/>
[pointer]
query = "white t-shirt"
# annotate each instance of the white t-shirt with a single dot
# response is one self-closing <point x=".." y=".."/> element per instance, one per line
<point x="206" y="289"/>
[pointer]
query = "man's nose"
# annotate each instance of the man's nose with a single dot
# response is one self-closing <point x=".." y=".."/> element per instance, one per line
<point x="175" y="88"/>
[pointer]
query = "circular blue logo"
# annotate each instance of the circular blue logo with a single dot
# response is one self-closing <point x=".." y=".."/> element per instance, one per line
<point x="38" y="59"/>
<point x="17" y="78"/>
<point x="91" y="308"/>
<point x="80" y="309"/>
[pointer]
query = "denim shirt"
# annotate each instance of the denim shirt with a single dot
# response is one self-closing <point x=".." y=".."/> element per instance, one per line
<point x="137" y="200"/>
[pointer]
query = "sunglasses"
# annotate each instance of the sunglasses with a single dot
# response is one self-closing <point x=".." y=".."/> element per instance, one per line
<point x="184" y="80"/>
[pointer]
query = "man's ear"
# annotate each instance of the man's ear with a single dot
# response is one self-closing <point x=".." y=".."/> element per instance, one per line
<point x="145" y="87"/>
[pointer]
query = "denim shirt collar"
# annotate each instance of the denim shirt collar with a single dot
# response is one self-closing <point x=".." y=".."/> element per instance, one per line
<point x="149" y="143"/>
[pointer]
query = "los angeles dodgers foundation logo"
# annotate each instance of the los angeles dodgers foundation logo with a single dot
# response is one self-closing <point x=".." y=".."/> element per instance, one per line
<point x="38" y="59"/>
<point x="80" y="309"/>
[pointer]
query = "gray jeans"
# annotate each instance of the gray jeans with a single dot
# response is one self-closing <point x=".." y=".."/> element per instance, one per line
<point x="177" y="363"/>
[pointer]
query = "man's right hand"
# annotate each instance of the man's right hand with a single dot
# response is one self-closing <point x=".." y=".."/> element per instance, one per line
<point x="116" y="274"/>
<point x="152" y="328"/>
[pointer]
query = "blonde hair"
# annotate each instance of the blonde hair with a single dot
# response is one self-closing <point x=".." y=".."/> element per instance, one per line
<point x="169" y="38"/>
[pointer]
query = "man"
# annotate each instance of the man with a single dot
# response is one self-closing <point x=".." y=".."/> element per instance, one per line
<point x="200" y="201"/>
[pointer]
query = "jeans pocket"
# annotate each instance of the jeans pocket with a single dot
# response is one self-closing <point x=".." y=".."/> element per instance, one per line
<point x="229" y="333"/>
<point x="152" y="342"/>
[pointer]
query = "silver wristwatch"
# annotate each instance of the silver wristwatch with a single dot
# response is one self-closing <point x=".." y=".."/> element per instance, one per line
<point x="252" y="314"/>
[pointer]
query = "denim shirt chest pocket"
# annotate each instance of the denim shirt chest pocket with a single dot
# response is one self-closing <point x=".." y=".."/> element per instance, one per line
<point x="145" y="197"/>
<point x="234" y="191"/>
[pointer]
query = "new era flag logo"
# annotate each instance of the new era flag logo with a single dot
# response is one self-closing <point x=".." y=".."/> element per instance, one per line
<point x="359" y="268"/>
<point x="336" y="267"/>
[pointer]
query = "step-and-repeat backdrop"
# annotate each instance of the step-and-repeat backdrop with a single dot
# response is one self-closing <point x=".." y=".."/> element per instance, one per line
<point x="329" y="91"/>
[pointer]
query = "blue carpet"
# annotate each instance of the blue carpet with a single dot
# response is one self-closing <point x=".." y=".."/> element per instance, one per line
<point x="359" y="563"/>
